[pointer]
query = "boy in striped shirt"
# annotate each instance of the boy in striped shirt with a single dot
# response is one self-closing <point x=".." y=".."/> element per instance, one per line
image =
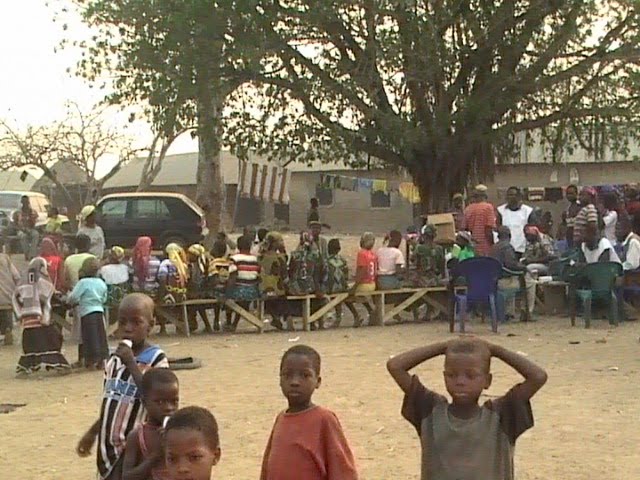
<point x="122" y="409"/>
<point x="244" y="276"/>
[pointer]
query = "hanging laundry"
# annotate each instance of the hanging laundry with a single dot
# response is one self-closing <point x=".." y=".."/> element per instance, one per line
<point x="553" y="194"/>
<point x="380" y="186"/>
<point x="365" y="184"/>
<point x="534" y="194"/>
<point x="326" y="180"/>
<point x="349" y="184"/>
<point x="409" y="192"/>
<point x="393" y="186"/>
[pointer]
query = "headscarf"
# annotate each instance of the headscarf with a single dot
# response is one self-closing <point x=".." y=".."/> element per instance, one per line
<point x="141" y="257"/>
<point x="117" y="253"/>
<point x="86" y="212"/>
<point x="272" y="239"/>
<point x="197" y="250"/>
<point x="48" y="248"/>
<point x="429" y="230"/>
<point x="367" y="241"/>
<point x="532" y="230"/>
<point x="33" y="296"/>
<point x="40" y="267"/>
<point x="179" y="259"/>
<point x="592" y="192"/>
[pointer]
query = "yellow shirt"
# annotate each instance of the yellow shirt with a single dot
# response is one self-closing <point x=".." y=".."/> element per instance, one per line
<point x="54" y="225"/>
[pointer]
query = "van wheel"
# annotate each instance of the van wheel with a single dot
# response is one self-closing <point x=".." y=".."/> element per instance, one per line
<point x="174" y="239"/>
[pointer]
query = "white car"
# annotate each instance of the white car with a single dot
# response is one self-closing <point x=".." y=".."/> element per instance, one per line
<point x="10" y="204"/>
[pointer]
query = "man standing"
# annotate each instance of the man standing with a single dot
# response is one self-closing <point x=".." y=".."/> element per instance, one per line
<point x="25" y="220"/>
<point x="569" y="215"/>
<point x="515" y="215"/>
<point x="480" y="220"/>
<point x="318" y="241"/>
<point x="587" y="216"/>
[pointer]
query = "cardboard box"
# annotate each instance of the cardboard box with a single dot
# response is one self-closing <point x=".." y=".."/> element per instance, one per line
<point x="445" y="226"/>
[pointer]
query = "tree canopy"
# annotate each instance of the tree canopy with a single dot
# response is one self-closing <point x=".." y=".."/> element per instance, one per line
<point x="442" y="87"/>
<point x="181" y="59"/>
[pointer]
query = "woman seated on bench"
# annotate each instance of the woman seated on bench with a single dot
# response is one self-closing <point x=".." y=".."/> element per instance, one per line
<point x="274" y="278"/>
<point x="390" y="263"/>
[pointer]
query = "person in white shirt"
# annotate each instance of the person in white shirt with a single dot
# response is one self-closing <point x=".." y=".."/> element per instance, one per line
<point x="515" y="215"/>
<point x="597" y="249"/>
<point x="610" y="217"/>
<point x="390" y="262"/>
<point x="630" y="242"/>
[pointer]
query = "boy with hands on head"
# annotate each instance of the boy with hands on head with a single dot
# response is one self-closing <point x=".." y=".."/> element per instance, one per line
<point x="462" y="440"/>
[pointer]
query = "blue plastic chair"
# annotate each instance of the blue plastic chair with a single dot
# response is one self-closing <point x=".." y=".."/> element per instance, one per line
<point x="481" y="276"/>
<point x="630" y="289"/>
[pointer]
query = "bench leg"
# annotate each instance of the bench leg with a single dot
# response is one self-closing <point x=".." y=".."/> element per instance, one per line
<point x="245" y="314"/>
<point x="306" y="314"/>
<point x="378" y="316"/>
<point x="185" y="320"/>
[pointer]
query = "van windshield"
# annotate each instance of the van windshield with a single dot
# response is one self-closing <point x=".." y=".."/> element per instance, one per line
<point x="9" y="201"/>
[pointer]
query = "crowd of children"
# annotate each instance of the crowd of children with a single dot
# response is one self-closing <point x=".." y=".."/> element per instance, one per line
<point x="142" y="433"/>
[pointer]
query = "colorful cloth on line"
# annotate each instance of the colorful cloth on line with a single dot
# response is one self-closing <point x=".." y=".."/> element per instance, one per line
<point x="409" y="192"/>
<point x="365" y="184"/>
<point x="379" y="186"/>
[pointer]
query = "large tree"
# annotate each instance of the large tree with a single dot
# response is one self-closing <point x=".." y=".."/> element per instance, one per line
<point x="181" y="59"/>
<point x="442" y="88"/>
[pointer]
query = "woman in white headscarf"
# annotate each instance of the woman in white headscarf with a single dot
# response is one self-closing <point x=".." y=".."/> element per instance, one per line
<point x="41" y="341"/>
<point x="91" y="229"/>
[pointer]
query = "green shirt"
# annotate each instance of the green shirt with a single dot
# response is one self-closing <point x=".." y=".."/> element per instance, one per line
<point x="463" y="253"/>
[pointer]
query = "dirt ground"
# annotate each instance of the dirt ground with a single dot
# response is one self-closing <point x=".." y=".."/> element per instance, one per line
<point x="587" y="419"/>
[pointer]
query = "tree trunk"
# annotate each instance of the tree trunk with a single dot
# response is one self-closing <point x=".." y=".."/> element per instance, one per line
<point x="435" y="181"/>
<point x="446" y="169"/>
<point x="209" y="191"/>
<point x="153" y="163"/>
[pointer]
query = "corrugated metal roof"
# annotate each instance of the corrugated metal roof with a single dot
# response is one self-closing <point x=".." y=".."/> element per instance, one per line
<point x="181" y="169"/>
<point x="10" y="180"/>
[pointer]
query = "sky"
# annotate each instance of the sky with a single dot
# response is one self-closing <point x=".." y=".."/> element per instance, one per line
<point x="35" y="84"/>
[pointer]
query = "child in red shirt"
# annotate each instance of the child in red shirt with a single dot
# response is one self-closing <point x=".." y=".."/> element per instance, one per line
<point x="307" y="441"/>
<point x="366" y="269"/>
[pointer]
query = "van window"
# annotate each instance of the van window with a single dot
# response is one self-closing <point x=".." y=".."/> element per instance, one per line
<point x="150" y="208"/>
<point x="114" y="209"/>
<point x="9" y="201"/>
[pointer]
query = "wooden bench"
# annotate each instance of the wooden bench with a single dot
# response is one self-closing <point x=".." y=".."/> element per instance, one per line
<point x="379" y="297"/>
<point x="182" y="324"/>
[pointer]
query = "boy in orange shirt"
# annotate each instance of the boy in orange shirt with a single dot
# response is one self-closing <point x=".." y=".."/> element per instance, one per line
<point x="307" y="441"/>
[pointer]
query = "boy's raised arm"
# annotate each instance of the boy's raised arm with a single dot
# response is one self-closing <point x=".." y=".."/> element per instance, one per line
<point x="534" y="376"/>
<point x="400" y="365"/>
